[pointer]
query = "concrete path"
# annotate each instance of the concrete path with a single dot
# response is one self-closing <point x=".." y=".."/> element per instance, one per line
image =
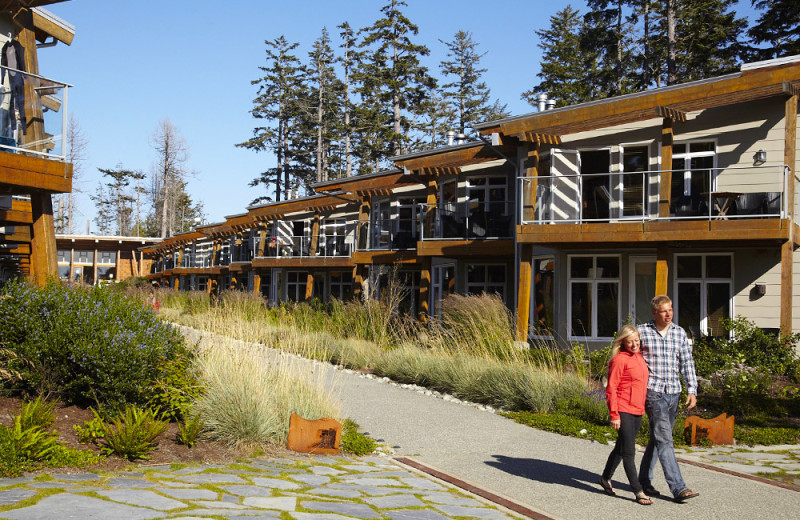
<point x="551" y="474"/>
<point x="312" y="488"/>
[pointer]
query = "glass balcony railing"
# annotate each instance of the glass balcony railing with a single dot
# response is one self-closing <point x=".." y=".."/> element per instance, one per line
<point x="392" y="234"/>
<point x="703" y="193"/>
<point x="467" y="220"/>
<point x="33" y="114"/>
<point x="301" y="246"/>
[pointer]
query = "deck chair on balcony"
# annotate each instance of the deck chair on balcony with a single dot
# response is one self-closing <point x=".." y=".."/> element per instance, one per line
<point x="773" y="205"/>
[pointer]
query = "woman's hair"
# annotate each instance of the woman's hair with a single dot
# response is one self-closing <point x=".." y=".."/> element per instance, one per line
<point x="625" y="332"/>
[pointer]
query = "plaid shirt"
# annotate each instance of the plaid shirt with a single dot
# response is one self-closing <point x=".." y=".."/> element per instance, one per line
<point x="667" y="358"/>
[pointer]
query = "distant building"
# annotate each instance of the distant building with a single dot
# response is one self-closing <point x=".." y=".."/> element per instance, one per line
<point x="91" y="260"/>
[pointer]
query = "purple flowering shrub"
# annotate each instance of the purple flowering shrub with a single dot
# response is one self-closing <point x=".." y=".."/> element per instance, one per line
<point x="85" y="346"/>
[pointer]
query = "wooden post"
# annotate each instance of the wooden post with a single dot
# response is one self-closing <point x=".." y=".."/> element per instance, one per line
<point x="94" y="268"/>
<point x="362" y="239"/>
<point x="424" y="289"/>
<point x="787" y="248"/>
<point x="524" y="291"/>
<point x="44" y="256"/>
<point x="529" y="187"/>
<point x="118" y="264"/>
<point x="665" y="182"/>
<point x="662" y="270"/>
<point x="34" y="125"/>
<point x="262" y="241"/>
<point x="431" y="199"/>
<point x="71" y="263"/>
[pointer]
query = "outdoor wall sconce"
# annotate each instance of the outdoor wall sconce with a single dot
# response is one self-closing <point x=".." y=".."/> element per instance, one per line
<point x="760" y="157"/>
<point x="760" y="289"/>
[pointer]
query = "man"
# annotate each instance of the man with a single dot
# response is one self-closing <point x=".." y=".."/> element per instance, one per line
<point x="666" y="350"/>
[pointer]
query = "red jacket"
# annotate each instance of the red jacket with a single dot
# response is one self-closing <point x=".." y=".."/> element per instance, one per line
<point x="627" y="384"/>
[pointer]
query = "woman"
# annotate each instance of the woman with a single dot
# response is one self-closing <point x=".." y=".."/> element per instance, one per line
<point x="625" y="395"/>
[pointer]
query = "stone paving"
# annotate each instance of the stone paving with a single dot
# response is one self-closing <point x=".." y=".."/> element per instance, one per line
<point x="764" y="461"/>
<point x="323" y="488"/>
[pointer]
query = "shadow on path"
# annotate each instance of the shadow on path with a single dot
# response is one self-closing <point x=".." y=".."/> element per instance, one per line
<point x="552" y="473"/>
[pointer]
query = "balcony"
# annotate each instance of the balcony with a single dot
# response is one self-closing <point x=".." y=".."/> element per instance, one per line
<point x="469" y="220"/>
<point x="33" y="124"/>
<point x="393" y="234"/>
<point x="328" y="246"/>
<point x="703" y="203"/>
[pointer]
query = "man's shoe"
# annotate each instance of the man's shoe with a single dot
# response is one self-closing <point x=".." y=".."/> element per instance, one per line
<point x="649" y="490"/>
<point x="686" y="494"/>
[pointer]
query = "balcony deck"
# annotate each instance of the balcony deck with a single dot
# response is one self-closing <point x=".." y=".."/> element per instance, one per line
<point x="23" y="173"/>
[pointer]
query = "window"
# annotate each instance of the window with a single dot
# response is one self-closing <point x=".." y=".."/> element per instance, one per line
<point x="486" y="278"/>
<point x="341" y="286"/>
<point x="381" y="225"/>
<point x="63" y="272"/>
<point x="265" y="284"/>
<point x="704" y="292"/>
<point x="296" y="285"/>
<point x="692" y="176"/>
<point x="203" y="255"/>
<point x="63" y="256"/>
<point x="106" y="272"/>
<point x="202" y="283"/>
<point x="594" y="305"/>
<point x="543" y="287"/>
<point x="333" y="239"/>
<point x="107" y="257"/>
<point x="84" y="257"/>
<point x="634" y="159"/>
<point x="410" y="282"/>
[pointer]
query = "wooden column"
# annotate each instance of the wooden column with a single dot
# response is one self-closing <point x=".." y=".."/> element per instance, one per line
<point x="665" y="182"/>
<point x="524" y="291"/>
<point x="118" y="265"/>
<point x="71" y="263"/>
<point x="662" y="270"/>
<point x="44" y="256"/>
<point x="787" y="248"/>
<point x="529" y="187"/>
<point x="34" y="126"/>
<point x="431" y="199"/>
<point x="362" y="240"/>
<point x="424" y="289"/>
<point x="262" y="241"/>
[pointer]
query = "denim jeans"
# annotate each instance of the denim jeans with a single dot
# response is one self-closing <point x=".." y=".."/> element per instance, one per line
<point x="662" y="409"/>
<point x="625" y="450"/>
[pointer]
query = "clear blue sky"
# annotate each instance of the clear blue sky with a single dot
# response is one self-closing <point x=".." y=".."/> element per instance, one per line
<point x="135" y="63"/>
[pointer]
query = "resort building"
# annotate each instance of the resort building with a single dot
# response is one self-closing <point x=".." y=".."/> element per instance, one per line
<point x="93" y="260"/>
<point x="33" y="160"/>
<point x="575" y="216"/>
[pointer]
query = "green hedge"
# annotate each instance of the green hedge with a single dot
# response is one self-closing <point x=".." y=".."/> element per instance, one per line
<point x="86" y="346"/>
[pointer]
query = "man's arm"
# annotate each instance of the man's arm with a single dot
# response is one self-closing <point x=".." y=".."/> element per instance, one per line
<point x="687" y="370"/>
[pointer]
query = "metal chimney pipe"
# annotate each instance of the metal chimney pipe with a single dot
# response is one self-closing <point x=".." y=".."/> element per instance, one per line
<point x="551" y="104"/>
<point x="541" y="100"/>
<point x="450" y="136"/>
<point x="461" y="138"/>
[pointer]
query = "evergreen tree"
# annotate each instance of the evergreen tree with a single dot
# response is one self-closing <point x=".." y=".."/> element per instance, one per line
<point x="566" y="67"/>
<point x="325" y="90"/>
<point x="393" y="61"/>
<point x="113" y="202"/>
<point x="436" y="121"/>
<point x="348" y="60"/>
<point x="467" y="95"/>
<point x="778" y="26"/>
<point x="279" y="91"/>
<point x="608" y="31"/>
<point x="169" y="174"/>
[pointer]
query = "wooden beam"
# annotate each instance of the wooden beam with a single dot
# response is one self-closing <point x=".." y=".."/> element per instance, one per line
<point x="787" y="249"/>
<point x="44" y="258"/>
<point x="48" y="26"/>
<point x="524" y="291"/>
<point x="662" y="270"/>
<point x="671" y="113"/>
<point x="424" y="290"/>
<point x="25" y="173"/>
<point x="791" y="89"/>
<point x="438" y="171"/>
<point x="529" y="187"/>
<point x="665" y="182"/>
<point x="540" y="138"/>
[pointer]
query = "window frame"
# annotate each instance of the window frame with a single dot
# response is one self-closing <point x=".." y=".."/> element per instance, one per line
<point x="593" y="282"/>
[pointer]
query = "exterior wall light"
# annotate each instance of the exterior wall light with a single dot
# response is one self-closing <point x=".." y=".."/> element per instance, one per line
<point x="760" y="157"/>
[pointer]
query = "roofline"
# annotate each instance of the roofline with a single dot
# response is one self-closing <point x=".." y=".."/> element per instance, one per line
<point x="356" y="178"/>
<point x="436" y="151"/>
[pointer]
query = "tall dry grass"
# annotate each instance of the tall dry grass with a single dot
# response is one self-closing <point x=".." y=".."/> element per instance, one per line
<point x="250" y="394"/>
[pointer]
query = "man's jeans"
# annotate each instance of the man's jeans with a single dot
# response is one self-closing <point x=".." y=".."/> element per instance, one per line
<point x="662" y="409"/>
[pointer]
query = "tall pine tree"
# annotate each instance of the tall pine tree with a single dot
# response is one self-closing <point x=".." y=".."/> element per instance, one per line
<point x="777" y="30"/>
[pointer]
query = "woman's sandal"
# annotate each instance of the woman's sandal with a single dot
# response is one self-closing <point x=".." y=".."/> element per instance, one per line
<point x="644" y="500"/>
<point x="606" y="485"/>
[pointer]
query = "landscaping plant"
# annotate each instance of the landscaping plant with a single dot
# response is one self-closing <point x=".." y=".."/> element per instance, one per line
<point x="132" y="434"/>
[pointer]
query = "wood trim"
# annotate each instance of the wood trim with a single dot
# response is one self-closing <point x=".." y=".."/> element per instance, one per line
<point x="665" y="184"/>
<point x="787" y="249"/>
<point x="28" y="173"/>
<point x="671" y="113"/>
<point x="313" y="261"/>
<point x="44" y="25"/>
<point x="12" y="216"/>
<point x="44" y="257"/>
<point x="466" y="248"/>
<point x="662" y="270"/>
<point x="424" y="290"/>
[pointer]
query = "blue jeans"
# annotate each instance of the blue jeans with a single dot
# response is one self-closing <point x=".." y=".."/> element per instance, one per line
<point x="662" y="409"/>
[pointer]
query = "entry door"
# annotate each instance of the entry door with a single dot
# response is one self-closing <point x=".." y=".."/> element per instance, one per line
<point x="564" y="189"/>
<point x="642" y="288"/>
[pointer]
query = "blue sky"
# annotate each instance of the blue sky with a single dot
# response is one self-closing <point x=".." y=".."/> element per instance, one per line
<point x="133" y="64"/>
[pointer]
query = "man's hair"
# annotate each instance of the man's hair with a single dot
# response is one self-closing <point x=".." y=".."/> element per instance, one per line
<point x="658" y="301"/>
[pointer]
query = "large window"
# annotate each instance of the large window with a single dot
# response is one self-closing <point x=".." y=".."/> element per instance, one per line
<point x="543" y="286"/>
<point x="691" y="179"/>
<point x="704" y="292"/>
<point x="341" y="285"/>
<point x="296" y="285"/>
<point x="107" y="257"/>
<point x="594" y="305"/>
<point x="84" y="257"/>
<point x="63" y="256"/>
<point x="486" y="278"/>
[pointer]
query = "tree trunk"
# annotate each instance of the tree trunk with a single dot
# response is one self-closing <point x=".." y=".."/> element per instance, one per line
<point x="671" y="57"/>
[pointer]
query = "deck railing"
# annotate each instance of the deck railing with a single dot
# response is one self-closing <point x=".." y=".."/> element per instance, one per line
<point x="33" y="114"/>
<point x="300" y="246"/>
<point x="702" y="193"/>
<point x="467" y="220"/>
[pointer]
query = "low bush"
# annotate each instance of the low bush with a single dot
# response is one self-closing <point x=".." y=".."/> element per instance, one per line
<point x="751" y="347"/>
<point x="355" y="442"/>
<point x="752" y="436"/>
<point x="84" y="346"/>
<point x="37" y="414"/>
<point x="189" y="430"/>
<point x="743" y="390"/>
<point x="132" y="434"/>
<point x="92" y="430"/>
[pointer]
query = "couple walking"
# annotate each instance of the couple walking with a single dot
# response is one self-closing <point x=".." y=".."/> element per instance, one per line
<point x="658" y="349"/>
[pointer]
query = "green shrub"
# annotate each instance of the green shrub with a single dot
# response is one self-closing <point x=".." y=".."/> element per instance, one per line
<point x="37" y="414"/>
<point x="565" y="425"/>
<point x="177" y="387"/>
<point x="92" y="430"/>
<point x="189" y="430"/>
<point x="86" y="346"/>
<point x="765" y="436"/>
<point x="132" y="433"/>
<point x="743" y="390"/>
<point x="589" y="406"/>
<point x="750" y="346"/>
<point x="355" y="442"/>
